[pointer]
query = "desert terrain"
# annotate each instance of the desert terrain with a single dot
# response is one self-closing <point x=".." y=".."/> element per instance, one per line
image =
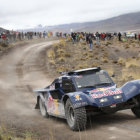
<point x="33" y="65"/>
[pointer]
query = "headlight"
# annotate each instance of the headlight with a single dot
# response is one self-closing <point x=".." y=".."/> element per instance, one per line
<point x="117" y="97"/>
<point x="103" y="100"/>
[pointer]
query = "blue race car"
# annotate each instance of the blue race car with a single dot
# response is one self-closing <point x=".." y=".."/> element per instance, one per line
<point x="77" y="94"/>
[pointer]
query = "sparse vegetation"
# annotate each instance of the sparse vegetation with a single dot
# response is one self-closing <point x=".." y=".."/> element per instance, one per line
<point x="65" y="56"/>
<point x="6" y="134"/>
<point x="3" y="44"/>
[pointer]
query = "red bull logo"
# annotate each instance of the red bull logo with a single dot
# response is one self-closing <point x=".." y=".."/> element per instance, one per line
<point x="106" y="93"/>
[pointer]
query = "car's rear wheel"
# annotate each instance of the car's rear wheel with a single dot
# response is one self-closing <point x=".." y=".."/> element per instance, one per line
<point x="43" y="109"/>
<point x="76" y="118"/>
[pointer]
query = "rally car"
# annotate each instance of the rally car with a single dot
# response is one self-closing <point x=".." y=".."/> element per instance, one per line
<point x="76" y="94"/>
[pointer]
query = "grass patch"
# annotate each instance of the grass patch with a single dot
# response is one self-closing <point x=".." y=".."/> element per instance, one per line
<point x="6" y="134"/>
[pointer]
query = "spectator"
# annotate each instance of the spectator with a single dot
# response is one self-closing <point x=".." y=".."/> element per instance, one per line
<point x="97" y="38"/>
<point x="139" y="36"/>
<point x="0" y="38"/>
<point x="135" y="36"/>
<point x="44" y="34"/>
<point x="119" y="35"/>
<point x="4" y="36"/>
<point x="90" y="43"/>
<point x="87" y="38"/>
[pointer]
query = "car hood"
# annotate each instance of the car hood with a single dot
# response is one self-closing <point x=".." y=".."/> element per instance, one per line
<point x="105" y="96"/>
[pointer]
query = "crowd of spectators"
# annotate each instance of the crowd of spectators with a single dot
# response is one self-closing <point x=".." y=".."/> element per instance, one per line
<point x="12" y="36"/>
<point x="90" y="37"/>
<point x="77" y="36"/>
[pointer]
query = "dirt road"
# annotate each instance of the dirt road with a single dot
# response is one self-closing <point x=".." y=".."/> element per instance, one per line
<point x="24" y="69"/>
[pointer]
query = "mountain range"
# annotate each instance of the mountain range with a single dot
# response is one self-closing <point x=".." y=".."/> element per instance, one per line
<point x="125" y="23"/>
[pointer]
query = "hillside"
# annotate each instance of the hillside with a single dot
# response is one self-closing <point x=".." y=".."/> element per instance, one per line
<point x="126" y="22"/>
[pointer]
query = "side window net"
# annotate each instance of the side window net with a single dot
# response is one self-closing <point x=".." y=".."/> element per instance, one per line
<point x="68" y="86"/>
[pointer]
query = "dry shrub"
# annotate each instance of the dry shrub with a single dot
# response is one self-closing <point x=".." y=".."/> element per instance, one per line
<point x="56" y="45"/>
<point x="132" y="63"/>
<point x="90" y="55"/>
<point x="62" y="43"/>
<point x="83" y="43"/>
<point x="94" y="65"/>
<point x="121" y="61"/>
<point x="51" y="54"/>
<point x="6" y="134"/>
<point x="115" y="61"/>
<point x="130" y="74"/>
<point x="82" y="66"/>
<point x="108" y="43"/>
<point x="96" y="57"/>
<point x="103" y="50"/>
<point x="104" y="60"/>
<point x="61" y="69"/>
<point x="3" y="44"/>
<point x="52" y="62"/>
<point x="83" y="58"/>
<point x="126" y="46"/>
<point x="67" y="54"/>
<point x="85" y="47"/>
<point x="60" y="51"/>
<point x="85" y="53"/>
<point x="105" y="54"/>
<point x="138" y="57"/>
<point x="133" y="45"/>
<point x="61" y="59"/>
<point x="69" y="39"/>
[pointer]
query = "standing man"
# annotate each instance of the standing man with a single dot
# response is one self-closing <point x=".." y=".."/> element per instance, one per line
<point x="90" y="43"/>
<point x="119" y="35"/>
<point x="135" y="36"/>
<point x="44" y="34"/>
<point x="97" y="38"/>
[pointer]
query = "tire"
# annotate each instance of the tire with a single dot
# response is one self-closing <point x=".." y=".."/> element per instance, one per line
<point x="43" y="109"/>
<point x="136" y="110"/>
<point x="76" y="118"/>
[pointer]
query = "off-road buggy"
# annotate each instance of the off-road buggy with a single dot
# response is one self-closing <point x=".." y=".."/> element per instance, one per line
<point x="77" y="94"/>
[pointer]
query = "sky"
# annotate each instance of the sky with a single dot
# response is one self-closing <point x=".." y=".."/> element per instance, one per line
<point x="24" y="14"/>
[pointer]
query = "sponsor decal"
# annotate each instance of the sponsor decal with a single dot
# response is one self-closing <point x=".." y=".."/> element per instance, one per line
<point x="52" y="87"/>
<point x="77" y="98"/>
<point x="80" y="104"/>
<point x="52" y="105"/>
<point x="56" y="107"/>
<point x="106" y="93"/>
<point x="50" y="102"/>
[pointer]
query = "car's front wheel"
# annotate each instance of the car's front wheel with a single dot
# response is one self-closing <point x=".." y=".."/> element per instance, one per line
<point x="76" y="118"/>
<point x="43" y="109"/>
<point x="136" y="110"/>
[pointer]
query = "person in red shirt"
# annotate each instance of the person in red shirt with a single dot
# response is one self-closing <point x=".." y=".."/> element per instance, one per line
<point x="3" y="36"/>
<point x="139" y="36"/>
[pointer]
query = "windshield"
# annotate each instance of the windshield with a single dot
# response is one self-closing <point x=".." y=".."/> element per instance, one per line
<point x="92" y="79"/>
